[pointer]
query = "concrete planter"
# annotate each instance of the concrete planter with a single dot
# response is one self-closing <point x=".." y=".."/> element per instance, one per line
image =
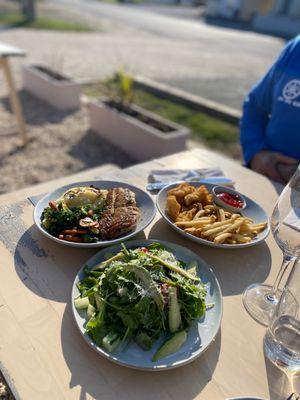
<point x="57" y="90"/>
<point x="138" y="139"/>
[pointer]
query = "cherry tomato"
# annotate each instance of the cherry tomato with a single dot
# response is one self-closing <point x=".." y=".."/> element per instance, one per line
<point x="144" y="250"/>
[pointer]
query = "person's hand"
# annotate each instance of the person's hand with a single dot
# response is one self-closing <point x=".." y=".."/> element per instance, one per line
<point x="275" y="166"/>
<point x="287" y="171"/>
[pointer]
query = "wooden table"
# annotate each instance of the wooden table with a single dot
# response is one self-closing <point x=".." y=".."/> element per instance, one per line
<point x="43" y="356"/>
<point x="7" y="51"/>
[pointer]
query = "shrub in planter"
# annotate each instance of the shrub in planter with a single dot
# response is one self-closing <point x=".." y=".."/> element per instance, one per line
<point x="140" y="133"/>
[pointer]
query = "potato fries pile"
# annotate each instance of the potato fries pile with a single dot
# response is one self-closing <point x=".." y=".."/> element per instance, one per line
<point x="193" y="210"/>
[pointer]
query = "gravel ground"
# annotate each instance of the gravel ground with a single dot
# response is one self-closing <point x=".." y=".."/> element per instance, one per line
<point x="60" y="144"/>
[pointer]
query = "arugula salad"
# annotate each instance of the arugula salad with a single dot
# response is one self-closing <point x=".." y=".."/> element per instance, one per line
<point x="138" y="295"/>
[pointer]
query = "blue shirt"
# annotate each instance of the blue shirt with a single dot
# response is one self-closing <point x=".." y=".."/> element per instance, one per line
<point x="271" y="112"/>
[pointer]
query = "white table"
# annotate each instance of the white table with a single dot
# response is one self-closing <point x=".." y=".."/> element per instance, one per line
<point x="7" y="51"/>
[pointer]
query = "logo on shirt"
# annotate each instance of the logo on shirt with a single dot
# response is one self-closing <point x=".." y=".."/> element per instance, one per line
<point x="290" y="93"/>
<point x="291" y="90"/>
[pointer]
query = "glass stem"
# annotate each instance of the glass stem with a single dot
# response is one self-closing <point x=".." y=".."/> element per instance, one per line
<point x="285" y="263"/>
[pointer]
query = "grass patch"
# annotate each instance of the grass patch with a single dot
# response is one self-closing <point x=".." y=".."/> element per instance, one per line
<point x="16" y="20"/>
<point x="11" y="18"/>
<point x="212" y="132"/>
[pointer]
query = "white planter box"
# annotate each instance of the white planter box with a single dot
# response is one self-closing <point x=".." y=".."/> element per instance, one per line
<point x="136" y="138"/>
<point x="63" y="94"/>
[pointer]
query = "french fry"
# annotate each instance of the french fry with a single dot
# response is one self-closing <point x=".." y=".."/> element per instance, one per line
<point x="245" y="228"/>
<point x="231" y="241"/>
<point x="235" y="216"/>
<point x="194" y="222"/>
<point x="241" y="238"/>
<point x="192" y="230"/>
<point x="236" y="225"/>
<point x="199" y="214"/>
<point x="216" y="230"/>
<point x="221" y="214"/>
<point x="215" y="225"/>
<point x="221" y="238"/>
<point x="233" y="227"/>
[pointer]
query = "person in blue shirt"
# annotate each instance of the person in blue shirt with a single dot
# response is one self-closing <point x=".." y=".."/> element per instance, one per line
<point x="270" y="125"/>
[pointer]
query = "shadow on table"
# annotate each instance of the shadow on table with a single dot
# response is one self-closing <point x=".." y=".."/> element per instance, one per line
<point x="235" y="269"/>
<point x="100" y="378"/>
<point x="279" y="386"/>
<point x="48" y="268"/>
<point x="278" y="187"/>
<point x="93" y="150"/>
<point x="35" y="110"/>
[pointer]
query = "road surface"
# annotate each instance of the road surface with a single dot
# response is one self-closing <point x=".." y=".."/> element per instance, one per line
<point x="174" y="47"/>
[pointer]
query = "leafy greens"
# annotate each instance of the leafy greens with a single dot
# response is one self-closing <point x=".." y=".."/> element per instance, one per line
<point x="130" y="298"/>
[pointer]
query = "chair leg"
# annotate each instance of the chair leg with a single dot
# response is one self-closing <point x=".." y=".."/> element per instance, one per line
<point x="14" y="99"/>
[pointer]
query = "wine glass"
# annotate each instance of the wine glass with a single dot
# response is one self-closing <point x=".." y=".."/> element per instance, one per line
<point x="259" y="299"/>
<point x="282" y="339"/>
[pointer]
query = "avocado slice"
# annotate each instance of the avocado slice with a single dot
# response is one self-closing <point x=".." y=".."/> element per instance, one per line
<point x="170" y="346"/>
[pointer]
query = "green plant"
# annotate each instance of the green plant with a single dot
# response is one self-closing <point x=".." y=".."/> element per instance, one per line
<point x="206" y="129"/>
<point x="124" y="83"/>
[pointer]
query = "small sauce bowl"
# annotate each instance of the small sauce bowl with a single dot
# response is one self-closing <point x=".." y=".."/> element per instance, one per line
<point x="233" y="196"/>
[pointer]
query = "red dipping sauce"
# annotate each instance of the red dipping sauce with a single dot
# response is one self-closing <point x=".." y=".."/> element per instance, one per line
<point x="232" y="199"/>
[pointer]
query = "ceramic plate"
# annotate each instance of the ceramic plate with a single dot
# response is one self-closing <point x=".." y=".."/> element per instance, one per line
<point x="144" y="202"/>
<point x="200" y="335"/>
<point x="253" y="211"/>
<point x="245" y="398"/>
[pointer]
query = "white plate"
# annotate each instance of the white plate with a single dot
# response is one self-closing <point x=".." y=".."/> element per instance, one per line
<point x="253" y="211"/>
<point x="200" y="335"/>
<point x="143" y="200"/>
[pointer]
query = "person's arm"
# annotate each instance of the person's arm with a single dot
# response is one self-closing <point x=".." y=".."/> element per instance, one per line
<point x="258" y="106"/>
<point x="256" y="113"/>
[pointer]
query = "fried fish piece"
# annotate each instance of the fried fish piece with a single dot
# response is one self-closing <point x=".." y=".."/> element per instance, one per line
<point x="181" y="191"/>
<point x="173" y="207"/>
<point x="200" y="195"/>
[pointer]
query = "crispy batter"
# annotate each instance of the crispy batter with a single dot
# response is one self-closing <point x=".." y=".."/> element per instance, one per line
<point x="200" y="195"/>
<point x="173" y="207"/>
<point x="187" y="215"/>
<point x="181" y="191"/>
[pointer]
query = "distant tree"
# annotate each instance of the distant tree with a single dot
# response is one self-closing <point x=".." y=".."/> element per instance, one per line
<point x="28" y="9"/>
